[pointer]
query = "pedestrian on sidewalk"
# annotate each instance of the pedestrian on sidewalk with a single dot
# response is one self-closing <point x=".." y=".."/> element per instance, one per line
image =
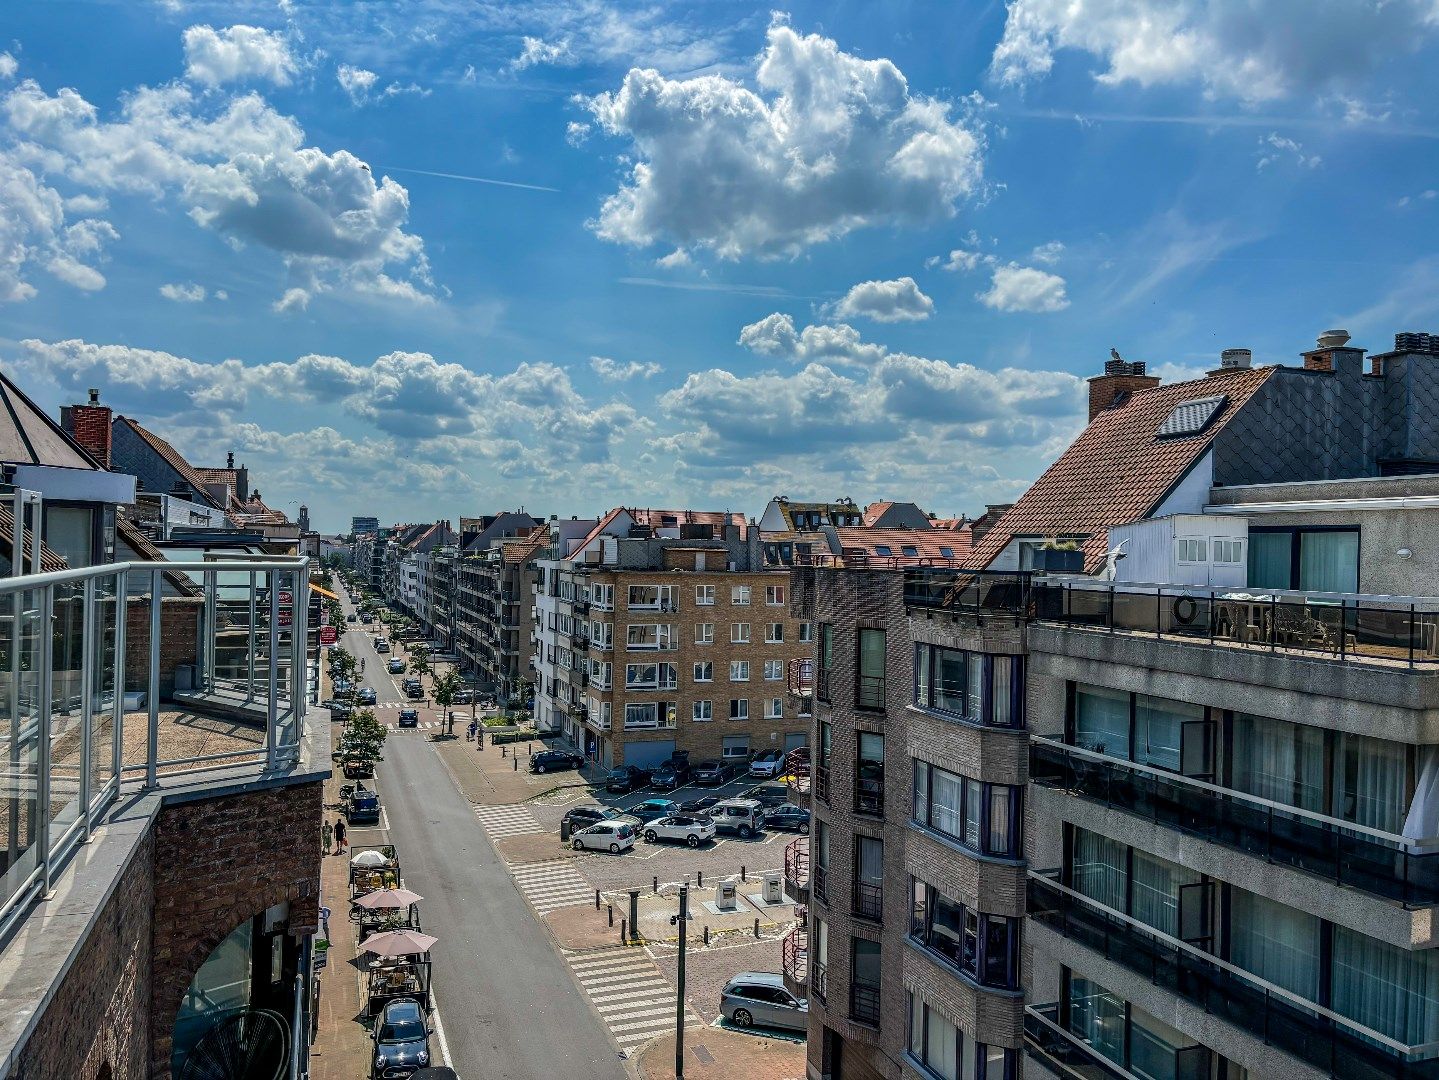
<point x="341" y="844"/>
<point x="326" y="833"/>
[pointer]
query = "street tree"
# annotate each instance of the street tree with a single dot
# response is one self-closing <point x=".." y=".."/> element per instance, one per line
<point x="420" y="662"/>
<point x="446" y="689"/>
<point x="363" y="737"/>
<point x="343" y="664"/>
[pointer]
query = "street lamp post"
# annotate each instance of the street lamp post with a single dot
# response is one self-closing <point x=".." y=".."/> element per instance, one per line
<point x="682" y="921"/>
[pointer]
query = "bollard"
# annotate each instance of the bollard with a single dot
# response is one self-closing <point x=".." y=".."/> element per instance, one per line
<point x="756" y="927"/>
<point x="612" y="914"/>
<point x="657" y="885"/>
<point x="700" y="884"/>
<point x="504" y="751"/>
<point x="742" y="875"/>
<point x="635" y="910"/>
<point x="624" y="936"/>
<point x="707" y="937"/>
<point x="597" y="899"/>
<point x="517" y="763"/>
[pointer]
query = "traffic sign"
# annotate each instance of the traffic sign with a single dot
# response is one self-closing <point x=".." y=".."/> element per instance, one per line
<point x="286" y="596"/>
<point x="327" y="635"/>
<point x="285" y="617"/>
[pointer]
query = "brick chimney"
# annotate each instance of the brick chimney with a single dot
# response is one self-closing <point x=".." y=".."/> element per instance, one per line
<point x="1121" y="378"/>
<point x="89" y="425"/>
<point x="1333" y="353"/>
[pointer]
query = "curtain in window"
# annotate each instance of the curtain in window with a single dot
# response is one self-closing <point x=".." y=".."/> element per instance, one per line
<point x="1157" y="727"/>
<point x="974" y="696"/>
<point x="1329" y="561"/>
<point x="1389" y="989"/>
<point x="1279" y="761"/>
<point x="1269" y="556"/>
<point x="1101" y="721"/>
<point x="916" y="1025"/>
<point x="871" y="654"/>
<point x="1001" y="838"/>
<point x="947" y="793"/>
<point x="921" y="793"/>
<point x="1001" y="695"/>
<point x="1097" y="1017"/>
<point x="869" y="865"/>
<point x="1274" y="942"/>
<point x="973" y="808"/>
<point x="1099" y="868"/>
<point x="1371" y="782"/>
<point x="941" y="1046"/>
<point x="949" y="681"/>
<point x="1156" y="891"/>
<point x="1422" y="822"/>
<point x="866" y="962"/>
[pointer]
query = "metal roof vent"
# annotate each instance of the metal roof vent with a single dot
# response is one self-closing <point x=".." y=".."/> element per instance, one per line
<point x="1333" y="339"/>
<point x="1190" y="417"/>
<point x="1235" y="358"/>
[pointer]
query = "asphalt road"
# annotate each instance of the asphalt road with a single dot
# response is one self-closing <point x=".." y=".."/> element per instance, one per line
<point x="508" y="1004"/>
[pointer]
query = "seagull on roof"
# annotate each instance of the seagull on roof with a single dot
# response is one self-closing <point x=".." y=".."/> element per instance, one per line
<point x="1114" y="353"/>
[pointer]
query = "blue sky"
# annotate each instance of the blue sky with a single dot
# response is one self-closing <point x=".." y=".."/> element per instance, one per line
<point x="722" y="253"/>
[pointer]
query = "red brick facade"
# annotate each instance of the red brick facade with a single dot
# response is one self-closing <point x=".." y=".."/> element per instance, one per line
<point x="89" y="425"/>
<point x="179" y="640"/>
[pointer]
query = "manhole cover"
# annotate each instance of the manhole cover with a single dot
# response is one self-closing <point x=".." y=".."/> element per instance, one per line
<point x="702" y="1052"/>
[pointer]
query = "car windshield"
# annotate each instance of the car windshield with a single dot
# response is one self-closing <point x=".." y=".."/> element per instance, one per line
<point x="402" y="1029"/>
<point x="620" y="773"/>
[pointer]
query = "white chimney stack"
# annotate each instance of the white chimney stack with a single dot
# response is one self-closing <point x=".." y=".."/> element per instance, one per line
<point x="1231" y="359"/>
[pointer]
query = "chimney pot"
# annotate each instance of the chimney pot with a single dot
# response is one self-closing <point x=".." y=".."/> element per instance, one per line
<point x="94" y="396"/>
<point x="1236" y="358"/>
<point x="1333" y="339"/>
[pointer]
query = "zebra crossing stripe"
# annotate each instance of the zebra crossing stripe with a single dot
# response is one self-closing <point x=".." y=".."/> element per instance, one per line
<point x="551" y="885"/>
<point x="512" y="819"/>
<point x="634" y="1000"/>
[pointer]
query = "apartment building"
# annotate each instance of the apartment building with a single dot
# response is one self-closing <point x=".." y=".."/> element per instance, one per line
<point x="664" y="630"/>
<point x="492" y="602"/>
<point x="1219" y="855"/>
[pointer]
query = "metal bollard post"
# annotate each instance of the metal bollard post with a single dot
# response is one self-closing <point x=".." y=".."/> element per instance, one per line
<point x="700" y="884"/>
<point x="624" y="935"/>
<point x="517" y="763"/>
<point x="635" y="910"/>
<point x="504" y="751"/>
<point x="756" y="927"/>
<point x="742" y="874"/>
<point x="707" y="937"/>
<point x="612" y="914"/>
<point x="656" y="885"/>
<point x="597" y="899"/>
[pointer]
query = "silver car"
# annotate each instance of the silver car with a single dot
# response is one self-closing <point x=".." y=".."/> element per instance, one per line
<point x="611" y="836"/>
<point x="760" y="997"/>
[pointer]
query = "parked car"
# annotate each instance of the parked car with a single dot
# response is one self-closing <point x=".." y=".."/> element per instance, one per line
<point x="691" y="829"/>
<point x="365" y="695"/>
<point x="414" y="691"/>
<point x="788" y="816"/>
<point x="464" y="697"/>
<point x="339" y="710"/>
<point x="611" y="836"/>
<point x="711" y="773"/>
<point x="358" y="769"/>
<point x="582" y="817"/>
<point x="343" y="686"/>
<point x="766" y="764"/>
<point x="768" y="795"/>
<point x="760" y="997"/>
<point x="670" y="775"/>
<point x="397" y="666"/>
<point x="743" y="817"/>
<point x="409" y="718"/>
<point x="402" y="1040"/>
<point x="555" y="761"/>
<point x="627" y="778"/>
<point x="362" y="807"/>
<point x="651" y="809"/>
<point x="699" y="806"/>
<point x="381" y="645"/>
<point x="350" y="617"/>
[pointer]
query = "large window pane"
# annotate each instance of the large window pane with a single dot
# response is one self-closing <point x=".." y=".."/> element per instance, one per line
<point x="866" y="962"/>
<point x="947" y="791"/>
<point x="1371" y="781"/>
<point x="1279" y="761"/>
<point x="869" y="694"/>
<point x="1152" y="1046"/>
<point x="1101" y="720"/>
<point x="67" y="650"/>
<point x="1157" y="727"/>
<point x="1329" y="561"/>
<point x="1156" y="891"/>
<point x="1002" y="691"/>
<point x="1096" y="1017"/>
<point x="941" y="1046"/>
<point x="1391" y="990"/>
<point x="19" y="726"/>
<point x="1099" y="869"/>
<point x="949" y="681"/>
<point x="1275" y="942"/>
<point x="1269" y="560"/>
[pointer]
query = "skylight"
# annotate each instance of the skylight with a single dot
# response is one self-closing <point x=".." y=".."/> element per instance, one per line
<point x="1190" y="417"/>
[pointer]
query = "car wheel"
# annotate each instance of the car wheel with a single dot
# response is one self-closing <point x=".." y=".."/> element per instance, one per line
<point x="692" y="841"/>
<point x="804" y="828"/>
<point x="742" y="1018"/>
<point x="539" y="768"/>
<point x="614" y="849"/>
<point x="651" y="836"/>
<point x="745" y="832"/>
<point x="578" y="845"/>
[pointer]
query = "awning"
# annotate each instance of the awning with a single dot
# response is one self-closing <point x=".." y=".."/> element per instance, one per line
<point x="322" y="591"/>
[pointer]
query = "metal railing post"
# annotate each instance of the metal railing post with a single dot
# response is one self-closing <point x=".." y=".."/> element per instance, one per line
<point x="300" y="635"/>
<point x="87" y="702"/>
<point x="122" y="618"/>
<point x="273" y="709"/>
<point x="250" y="652"/>
<point x="152" y="692"/>
<point x="45" y="645"/>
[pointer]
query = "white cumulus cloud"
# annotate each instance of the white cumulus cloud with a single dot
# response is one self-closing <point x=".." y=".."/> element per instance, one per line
<point x="956" y="260"/>
<point x="237" y="54"/>
<point x="1024" y="288"/>
<point x="1274" y="147"/>
<point x="8" y="66"/>
<point x="35" y="233"/>
<point x="827" y="143"/>
<point x="899" y="300"/>
<point x="183" y="294"/>
<point x="775" y="335"/>
<point x="614" y="371"/>
<point x="362" y="86"/>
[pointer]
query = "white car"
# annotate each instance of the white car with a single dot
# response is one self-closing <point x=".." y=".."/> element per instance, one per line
<point x="767" y="764"/>
<point x="691" y="829"/>
<point x="611" y="836"/>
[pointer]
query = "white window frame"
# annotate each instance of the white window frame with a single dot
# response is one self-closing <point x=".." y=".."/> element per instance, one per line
<point x="773" y="670"/>
<point x="644" y="723"/>
<point x="743" y="714"/>
<point x="704" y="633"/>
<point x="774" y="708"/>
<point x="704" y="596"/>
<point x="739" y="633"/>
<point x="1228" y="545"/>
<point x="741" y="749"/>
<point x="739" y="671"/>
<point x="774" y="595"/>
<point x="702" y="711"/>
<point x="774" y="633"/>
<point x="739" y="595"/>
<point x="708" y="669"/>
<point x="1191" y="549"/>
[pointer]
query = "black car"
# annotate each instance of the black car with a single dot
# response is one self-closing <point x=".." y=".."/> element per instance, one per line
<point x="339" y="710"/>
<point x="402" y="1040"/>
<point x="582" y="817"/>
<point x="711" y="773"/>
<point x="769" y="794"/>
<point x="365" y="695"/>
<point x="700" y="805"/>
<point x="788" y="816"/>
<point x="670" y="775"/>
<point x="409" y="718"/>
<point x="627" y="778"/>
<point x="555" y="761"/>
<point x="414" y="691"/>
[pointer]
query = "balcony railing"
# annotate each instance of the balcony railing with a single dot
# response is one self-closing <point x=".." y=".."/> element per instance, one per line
<point x="869" y="797"/>
<point x="796" y="866"/>
<point x="1371" y="860"/>
<point x="819" y="981"/>
<point x="86" y="657"/>
<point x="801" y="677"/>
<point x="869" y="692"/>
<point x="1308" y="1031"/>
<point x="864" y="1004"/>
<point x="868" y="900"/>
<point x="819" y="884"/>
<point x="983" y="593"/>
<point x="1064" y="1053"/>
<point x="1340" y="626"/>
<point x="794" y="957"/>
<point x="821" y="783"/>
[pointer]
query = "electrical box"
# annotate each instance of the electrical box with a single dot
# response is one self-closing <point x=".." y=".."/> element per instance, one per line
<point x="726" y="896"/>
<point x="773" y="888"/>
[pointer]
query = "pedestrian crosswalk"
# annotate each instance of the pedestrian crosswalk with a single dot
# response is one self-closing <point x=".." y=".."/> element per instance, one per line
<point x="513" y="819"/>
<point x="635" y="1001"/>
<point x="551" y="885"/>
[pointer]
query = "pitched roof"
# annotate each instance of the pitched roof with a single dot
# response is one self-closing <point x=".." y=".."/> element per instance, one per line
<point x="145" y="551"/>
<point x="657" y="519"/>
<point x="28" y="436"/>
<point x="1117" y="471"/>
<point x="519" y="552"/>
<point x="925" y="543"/>
<point x="874" y="511"/>
<point x="172" y="457"/>
<point x="228" y="477"/>
<point x="49" y="560"/>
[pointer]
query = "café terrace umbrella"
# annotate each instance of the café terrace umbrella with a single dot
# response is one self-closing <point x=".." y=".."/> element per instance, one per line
<point x="370" y="858"/>
<point x="389" y="898"/>
<point x="398" y="943"/>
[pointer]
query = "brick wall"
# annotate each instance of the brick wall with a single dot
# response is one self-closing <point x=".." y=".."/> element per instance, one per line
<point x="179" y="637"/>
<point x="99" y="1017"/>
<point x="89" y="425"/>
<point x="218" y="863"/>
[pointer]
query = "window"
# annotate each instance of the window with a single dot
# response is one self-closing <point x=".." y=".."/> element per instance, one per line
<point x="1227" y="550"/>
<point x="934" y="1040"/>
<point x="773" y="670"/>
<point x="868" y="877"/>
<point x="603" y="674"/>
<point x="774" y="709"/>
<point x="982" y="689"/>
<point x="947" y="552"/>
<point x="1132" y="882"/>
<point x="864" y="980"/>
<point x="602" y="635"/>
<point x="739" y="594"/>
<point x="774" y="595"/>
<point x="739" y="671"/>
<point x="826" y="661"/>
<point x="985" y="818"/>
<point x="603" y="596"/>
<point x="649" y="636"/>
<point x="869" y="773"/>
<point x="705" y="672"/>
<point x="909" y="551"/>
<point x="1137" y="727"/>
<point x="806" y="632"/>
<point x="869" y="669"/>
<point x="642" y="676"/>
<point x="739" y="708"/>
<point x="704" y="633"/>
<point x="883" y="549"/>
<point x="703" y="710"/>
<point x="739" y="633"/>
<point x="774" y="633"/>
<point x="642" y="715"/>
<point x="735" y="746"/>
<point x="1305" y="559"/>
<point x="983" y="947"/>
<point x="1191" y="550"/>
<point x="704" y="595"/>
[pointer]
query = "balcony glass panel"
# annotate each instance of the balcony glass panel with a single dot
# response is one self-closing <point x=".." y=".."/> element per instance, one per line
<point x="67" y="648"/>
<point x="20" y="806"/>
<point x="104" y="673"/>
<point x="1101" y="720"/>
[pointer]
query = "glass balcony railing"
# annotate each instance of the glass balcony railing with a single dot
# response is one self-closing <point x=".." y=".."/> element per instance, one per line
<point x="138" y="672"/>
<point x="1372" y="861"/>
<point x="969" y="592"/>
<point x="1307" y="1031"/>
<point x="1061" y="1052"/>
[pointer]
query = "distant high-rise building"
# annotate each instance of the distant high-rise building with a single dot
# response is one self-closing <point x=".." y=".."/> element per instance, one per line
<point x="361" y="525"/>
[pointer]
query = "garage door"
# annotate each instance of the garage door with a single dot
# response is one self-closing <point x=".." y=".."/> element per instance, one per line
<point x="795" y="739"/>
<point x="649" y="753"/>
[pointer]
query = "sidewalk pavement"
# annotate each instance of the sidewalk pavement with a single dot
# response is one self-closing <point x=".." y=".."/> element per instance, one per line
<point x="489" y="777"/>
<point x="717" y="1054"/>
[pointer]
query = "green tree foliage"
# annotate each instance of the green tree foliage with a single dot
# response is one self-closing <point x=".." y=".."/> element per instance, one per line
<point x="363" y="737"/>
